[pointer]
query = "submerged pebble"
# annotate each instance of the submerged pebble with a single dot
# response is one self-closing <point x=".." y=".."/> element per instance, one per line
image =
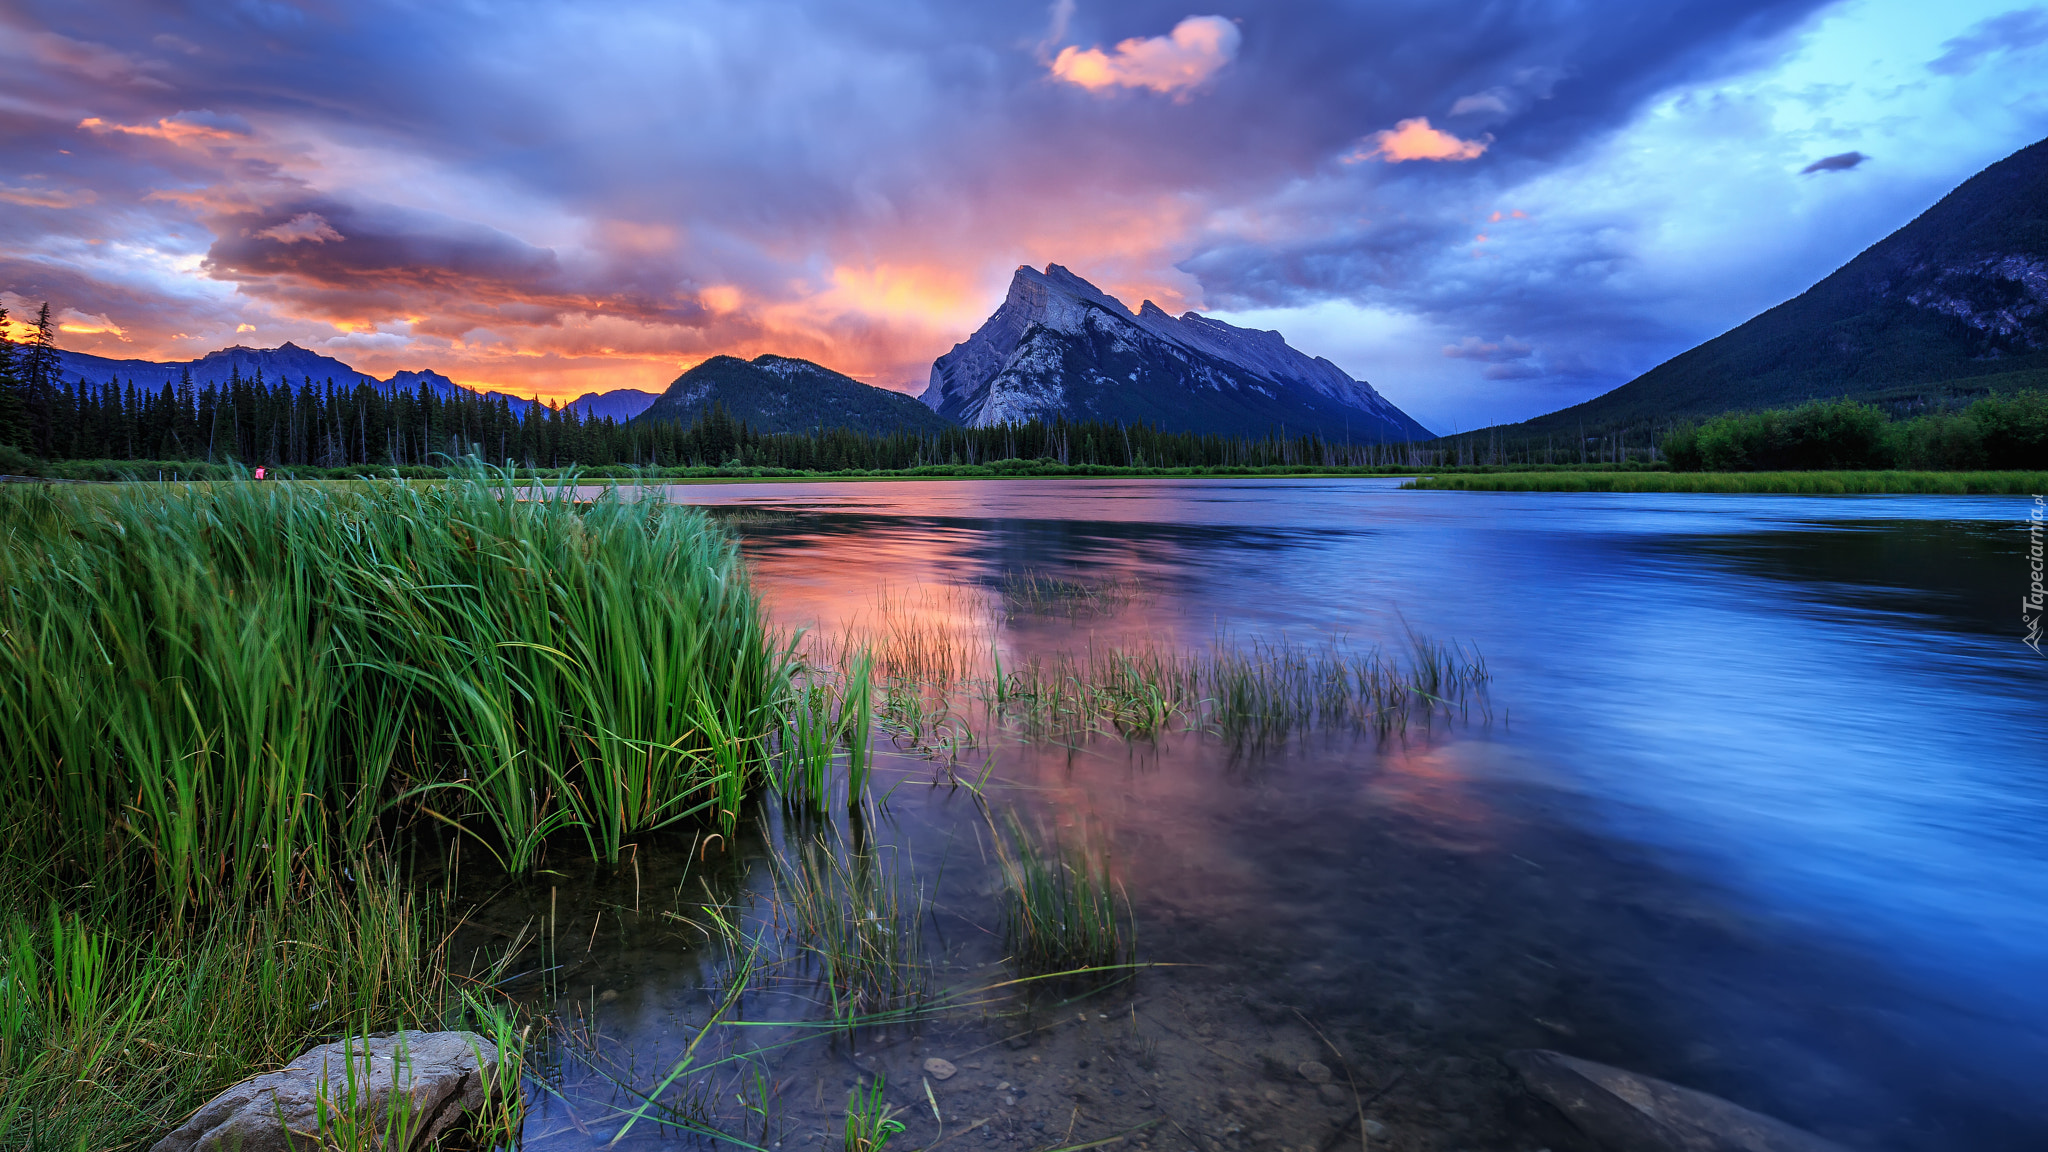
<point x="939" y="1069"/>
<point x="1314" y="1071"/>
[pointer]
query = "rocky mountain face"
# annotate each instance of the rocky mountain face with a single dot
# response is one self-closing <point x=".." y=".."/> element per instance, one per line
<point x="1059" y="346"/>
<point x="783" y="394"/>
<point x="1953" y="304"/>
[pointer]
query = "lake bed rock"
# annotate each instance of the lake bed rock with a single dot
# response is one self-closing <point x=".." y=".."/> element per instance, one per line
<point x="1626" y="1112"/>
<point x="939" y="1069"/>
<point x="438" y="1078"/>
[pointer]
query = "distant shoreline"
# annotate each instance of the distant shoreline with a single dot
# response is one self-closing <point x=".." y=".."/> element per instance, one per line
<point x="1819" y="483"/>
<point x="1481" y="478"/>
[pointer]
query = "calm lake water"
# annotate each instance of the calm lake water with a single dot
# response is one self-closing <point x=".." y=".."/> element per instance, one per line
<point x="1755" y="804"/>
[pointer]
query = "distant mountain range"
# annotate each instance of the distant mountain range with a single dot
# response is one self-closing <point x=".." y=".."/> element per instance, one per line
<point x="1953" y="304"/>
<point x="782" y="394"/>
<point x="290" y="362"/>
<point x="1060" y="346"/>
<point x="1056" y="347"/>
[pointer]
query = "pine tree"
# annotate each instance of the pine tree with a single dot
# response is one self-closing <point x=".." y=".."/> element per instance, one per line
<point x="13" y="408"/>
<point x="39" y="379"/>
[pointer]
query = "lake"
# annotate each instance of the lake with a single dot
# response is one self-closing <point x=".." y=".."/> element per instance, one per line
<point x="1752" y="801"/>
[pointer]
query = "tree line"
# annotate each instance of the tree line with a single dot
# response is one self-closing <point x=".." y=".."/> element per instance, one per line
<point x="1999" y="433"/>
<point x="249" y="420"/>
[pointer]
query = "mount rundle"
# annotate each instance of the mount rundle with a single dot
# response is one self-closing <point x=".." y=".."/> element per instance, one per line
<point x="1060" y="346"/>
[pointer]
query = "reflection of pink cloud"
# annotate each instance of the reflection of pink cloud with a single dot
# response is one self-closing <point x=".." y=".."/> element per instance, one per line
<point x="1197" y="49"/>
<point x="1415" y="140"/>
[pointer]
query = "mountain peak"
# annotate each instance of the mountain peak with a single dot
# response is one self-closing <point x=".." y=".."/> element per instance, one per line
<point x="1060" y="346"/>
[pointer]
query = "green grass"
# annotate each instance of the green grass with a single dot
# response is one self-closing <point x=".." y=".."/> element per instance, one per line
<point x="238" y="683"/>
<point x="846" y="912"/>
<point x="112" y="1029"/>
<point x="1801" y="483"/>
<point x="222" y="701"/>
<point x="1061" y="912"/>
<point x="1256" y="692"/>
<point x="870" y="1120"/>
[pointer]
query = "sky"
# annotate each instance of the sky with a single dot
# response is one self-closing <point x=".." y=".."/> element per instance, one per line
<point x="1488" y="210"/>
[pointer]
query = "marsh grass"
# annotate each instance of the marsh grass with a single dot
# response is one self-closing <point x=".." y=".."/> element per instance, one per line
<point x="845" y="909"/>
<point x="226" y="704"/>
<point x="1255" y="692"/>
<point x="1793" y="483"/>
<point x="1031" y="593"/>
<point x="870" y="1120"/>
<point x="112" y="1030"/>
<point x="1061" y="911"/>
<point x="242" y="682"/>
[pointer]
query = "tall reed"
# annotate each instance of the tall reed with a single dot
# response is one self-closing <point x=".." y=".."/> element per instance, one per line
<point x="240" y="681"/>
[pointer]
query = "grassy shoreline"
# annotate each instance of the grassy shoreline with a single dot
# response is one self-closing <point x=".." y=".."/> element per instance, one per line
<point x="1833" y="483"/>
<point x="231" y="707"/>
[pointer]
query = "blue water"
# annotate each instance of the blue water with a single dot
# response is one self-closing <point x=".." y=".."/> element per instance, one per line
<point x="1807" y="727"/>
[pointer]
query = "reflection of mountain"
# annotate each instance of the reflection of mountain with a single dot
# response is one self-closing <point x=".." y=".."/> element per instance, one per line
<point x="291" y="363"/>
<point x="783" y="394"/>
<point x="1059" y="346"/>
<point x="1955" y="302"/>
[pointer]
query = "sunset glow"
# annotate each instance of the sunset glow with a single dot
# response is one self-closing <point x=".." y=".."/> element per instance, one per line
<point x="857" y="192"/>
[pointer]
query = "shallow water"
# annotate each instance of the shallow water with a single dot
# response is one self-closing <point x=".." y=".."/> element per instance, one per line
<point x="1753" y="804"/>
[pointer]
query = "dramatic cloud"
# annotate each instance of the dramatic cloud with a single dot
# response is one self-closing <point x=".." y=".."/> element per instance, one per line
<point x="1840" y="162"/>
<point x="853" y="181"/>
<point x="1416" y="140"/>
<point x="1197" y="49"/>
<point x="2014" y="31"/>
<point x="305" y="226"/>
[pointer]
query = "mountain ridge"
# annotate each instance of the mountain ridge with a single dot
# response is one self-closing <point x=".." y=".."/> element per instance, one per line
<point x="1953" y="303"/>
<point x="785" y="394"/>
<point x="1059" y="346"/>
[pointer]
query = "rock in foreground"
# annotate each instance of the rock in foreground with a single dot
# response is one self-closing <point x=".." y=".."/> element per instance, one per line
<point x="431" y="1079"/>
<point x="1624" y="1112"/>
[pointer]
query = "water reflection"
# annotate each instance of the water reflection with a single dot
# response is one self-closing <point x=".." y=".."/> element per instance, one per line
<point x="1758" y="813"/>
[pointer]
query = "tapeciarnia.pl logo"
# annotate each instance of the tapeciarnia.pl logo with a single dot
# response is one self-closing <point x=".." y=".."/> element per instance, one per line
<point x="2032" y="605"/>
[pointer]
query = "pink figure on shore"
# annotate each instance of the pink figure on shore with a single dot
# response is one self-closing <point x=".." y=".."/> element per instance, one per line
<point x="259" y="471"/>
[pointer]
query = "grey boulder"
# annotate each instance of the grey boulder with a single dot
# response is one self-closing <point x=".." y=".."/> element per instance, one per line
<point x="1624" y="1112"/>
<point x="430" y="1080"/>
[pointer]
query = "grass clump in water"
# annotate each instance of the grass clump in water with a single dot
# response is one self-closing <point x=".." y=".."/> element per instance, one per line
<point x="1060" y="905"/>
<point x="1247" y="693"/>
<point x="847" y="912"/>
<point x="1032" y="593"/>
<point x="870" y="1120"/>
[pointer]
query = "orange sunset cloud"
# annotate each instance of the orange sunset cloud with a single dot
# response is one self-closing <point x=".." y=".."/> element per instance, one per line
<point x="1415" y="140"/>
<point x="1197" y="49"/>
